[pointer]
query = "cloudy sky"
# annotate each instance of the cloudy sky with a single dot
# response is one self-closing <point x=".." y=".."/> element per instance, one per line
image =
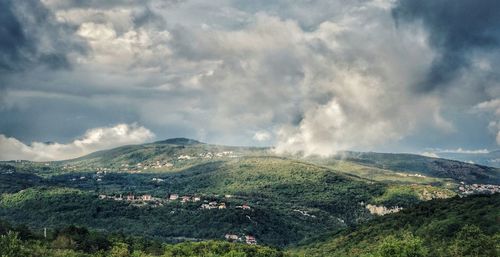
<point x="311" y="76"/>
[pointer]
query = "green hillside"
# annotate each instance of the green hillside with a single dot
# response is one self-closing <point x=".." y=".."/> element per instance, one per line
<point x="289" y="200"/>
<point x="79" y="241"/>
<point x="453" y="227"/>
<point x="176" y="154"/>
<point x="418" y="164"/>
<point x="287" y="197"/>
<point x="434" y="228"/>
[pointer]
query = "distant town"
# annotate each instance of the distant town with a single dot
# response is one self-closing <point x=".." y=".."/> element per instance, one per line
<point x="471" y="189"/>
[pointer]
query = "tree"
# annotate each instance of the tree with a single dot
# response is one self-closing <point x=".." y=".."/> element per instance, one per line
<point x="471" y="241"/>
<point x="406" y="246"/>
<point x="11" y="245"/>
<point x="120" y="250"/>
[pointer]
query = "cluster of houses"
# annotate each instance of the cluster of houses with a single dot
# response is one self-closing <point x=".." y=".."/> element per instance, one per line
<point x="411" y="175"/>
<point x="102" y="170"/>
<point x="247" y="239"/>
<point x="70" y="167"/>
<point x="466" y="189"/>
<point x="210" y="155"/>
<point x="129" y="197"/>
<point x="382" y="210"/>
<point x="213" y="205"/>
<point x="220" y="206"/>
<point x="150" y="198"/>
<point x="135" y="199"/>
<point x="184" y="198"/>
<point x="138" y="167"/>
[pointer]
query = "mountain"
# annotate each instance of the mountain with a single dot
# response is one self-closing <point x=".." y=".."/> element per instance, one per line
<point x="181" y="189"/>
<point x="491" y="158"/>
<point x="195" y="152"/>
<point x="177" y="151"/>
<point x="420" y="165"/>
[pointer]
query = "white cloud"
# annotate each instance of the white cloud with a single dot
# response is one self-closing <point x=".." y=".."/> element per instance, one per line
<point x="489" y="106"/>
<point x="494" y="126"/>
<point x="93" y="140"/>
<point x="493" y="107"/>
<point x="430" y="154"/>
<point x="262" y="136"/>
<point x="135" y="48"/>
<point x="327" y="75"/>
<point x="460" y="150"/>
<point x="357" y="93"/>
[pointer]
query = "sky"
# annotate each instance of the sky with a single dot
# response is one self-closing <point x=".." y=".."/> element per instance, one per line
<point x="306" y="76"/>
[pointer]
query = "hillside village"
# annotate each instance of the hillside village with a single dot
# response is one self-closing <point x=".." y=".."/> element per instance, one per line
<point x="149" y="200"/>
<point x="155" y="164"/>
<point x="472" y="189"/>
<point x="248" y="239"/>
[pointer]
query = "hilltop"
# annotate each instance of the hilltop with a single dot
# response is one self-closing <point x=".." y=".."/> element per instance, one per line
<point x="182" y="152"/>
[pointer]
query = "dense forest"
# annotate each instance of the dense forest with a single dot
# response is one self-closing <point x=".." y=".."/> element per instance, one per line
<point x="452" y="227"/>
<point x="434" y="228"/>
<point x="79" y="241"/>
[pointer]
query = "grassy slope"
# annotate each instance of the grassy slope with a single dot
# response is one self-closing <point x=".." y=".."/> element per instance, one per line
<point x="379" y="174"/>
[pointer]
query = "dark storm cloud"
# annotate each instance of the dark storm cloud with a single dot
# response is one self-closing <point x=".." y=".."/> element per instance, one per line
<point x="30" y="36"/>
<point x="457" y="28"/>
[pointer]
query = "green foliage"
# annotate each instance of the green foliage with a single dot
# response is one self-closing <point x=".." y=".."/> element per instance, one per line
<point x="223" y="249"/>
<point x="471" y="241"/>
<point x="408" y="195"/>
<point x="446" y="227"/>
<point x="11" y="245"/>
<point x="278" y="189"/>
<point x="405" y="246"/>
<point x="293" y="201"/>
<point x="120" y="250"/>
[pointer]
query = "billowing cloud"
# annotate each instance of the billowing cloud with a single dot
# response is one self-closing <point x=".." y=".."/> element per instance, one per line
<point x="316" y="76"/>
<point x="430" y="154"/>
<point x="492" y="107"/>
<point x="262" y="136"/>
<point x="93" y="140"/>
